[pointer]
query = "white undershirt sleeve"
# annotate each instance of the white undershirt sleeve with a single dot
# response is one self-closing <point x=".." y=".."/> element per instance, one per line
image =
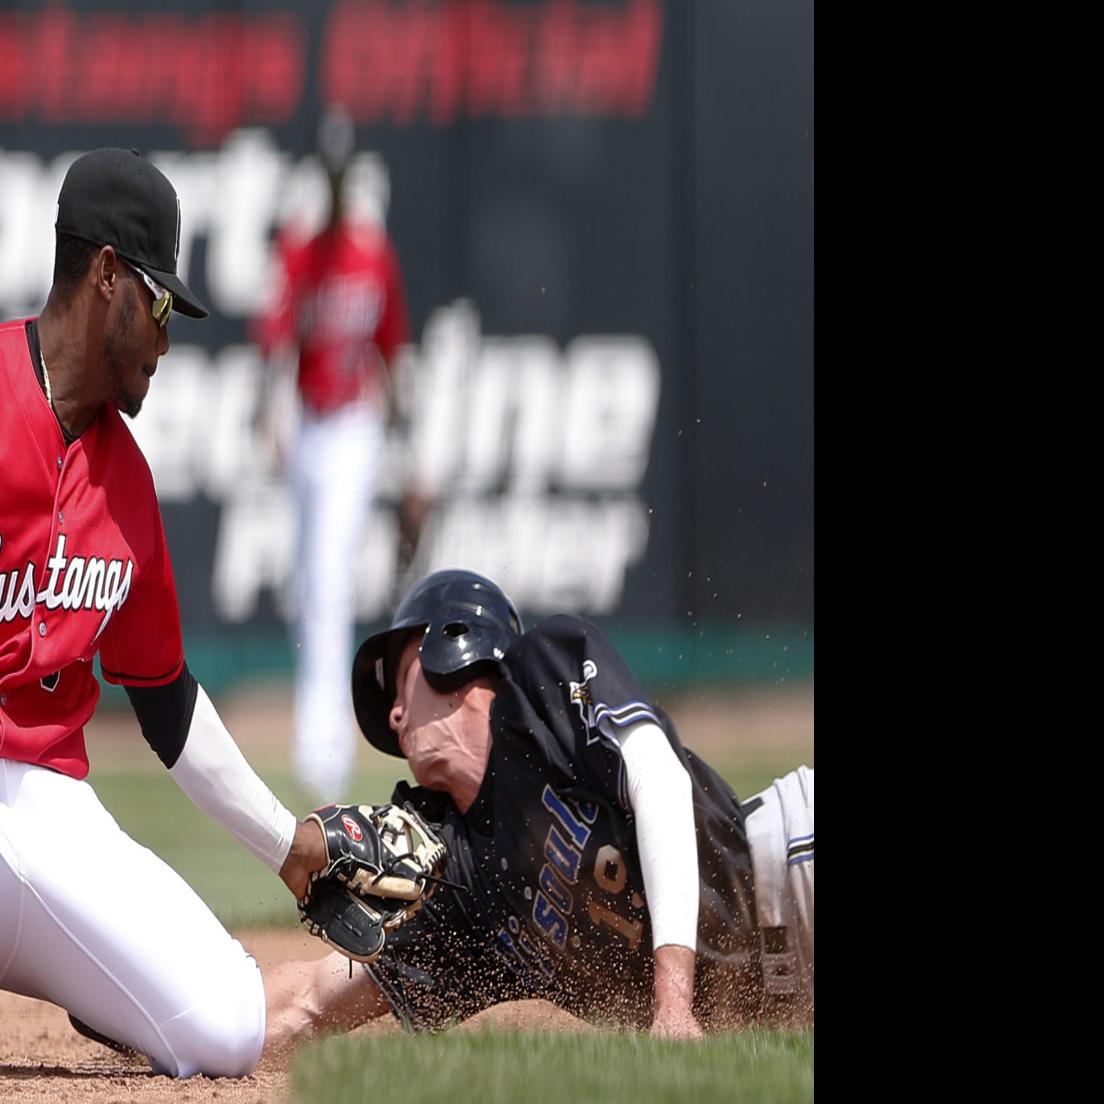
<point x="212" y="771"/>
<point x="662" y="801"/>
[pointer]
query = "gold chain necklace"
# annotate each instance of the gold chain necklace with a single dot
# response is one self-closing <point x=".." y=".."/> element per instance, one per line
<point x="54" y="410"/>
<point x="46" y="378"/>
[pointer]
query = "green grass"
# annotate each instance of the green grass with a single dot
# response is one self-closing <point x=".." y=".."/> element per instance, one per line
<point x="152" y="809"/>
<point x="494" y="1068"/>
<point x="748" y="778"/>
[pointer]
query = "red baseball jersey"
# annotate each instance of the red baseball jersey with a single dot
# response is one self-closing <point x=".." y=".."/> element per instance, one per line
<point x="84" y="568"/>
<point x="339" y="298"/>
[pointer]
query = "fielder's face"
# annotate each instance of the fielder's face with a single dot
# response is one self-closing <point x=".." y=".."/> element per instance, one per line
<point x="133" y="342"/>
<point x="445" y="737"/>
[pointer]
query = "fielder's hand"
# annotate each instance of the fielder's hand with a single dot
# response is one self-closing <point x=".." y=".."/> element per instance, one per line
<point x="383" y="862"/>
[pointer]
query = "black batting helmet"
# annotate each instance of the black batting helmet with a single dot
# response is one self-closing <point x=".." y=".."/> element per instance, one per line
<point x="466" y="621"/>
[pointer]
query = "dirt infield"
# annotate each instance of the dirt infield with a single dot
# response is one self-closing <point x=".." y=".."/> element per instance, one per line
<point x="43" y="1059"/>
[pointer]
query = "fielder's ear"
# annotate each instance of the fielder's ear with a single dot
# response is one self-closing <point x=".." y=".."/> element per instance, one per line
<point x="105" y="271"/>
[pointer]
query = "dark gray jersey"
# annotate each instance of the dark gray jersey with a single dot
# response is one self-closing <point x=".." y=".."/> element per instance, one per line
<point x="554" y="903"/>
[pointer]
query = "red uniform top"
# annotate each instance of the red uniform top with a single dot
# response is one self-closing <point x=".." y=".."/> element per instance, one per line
<point x="339" y="298"/>
<point x="84" y="568"/>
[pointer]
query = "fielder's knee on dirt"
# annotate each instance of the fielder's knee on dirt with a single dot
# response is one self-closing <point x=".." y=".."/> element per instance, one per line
<point x="224" y="1034"/>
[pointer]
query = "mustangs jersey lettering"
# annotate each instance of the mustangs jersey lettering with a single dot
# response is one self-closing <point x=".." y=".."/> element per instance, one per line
<point x="84" y="569"/>
<point x="339" y="298"/>
<point x="555" y="906"/>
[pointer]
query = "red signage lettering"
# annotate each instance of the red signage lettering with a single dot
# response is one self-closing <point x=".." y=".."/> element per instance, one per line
<point x="474" y="58"/>
<point x="205" y="75"/>
<point x="389" y="62"/>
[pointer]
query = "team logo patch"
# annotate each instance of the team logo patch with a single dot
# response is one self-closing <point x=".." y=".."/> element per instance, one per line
<point x="584" y="700"/>
<point x="352" y="827"/>
<point x="595" y="713"/>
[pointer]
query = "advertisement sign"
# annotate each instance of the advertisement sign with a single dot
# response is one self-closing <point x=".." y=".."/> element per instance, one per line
<point x="603" y="214"/>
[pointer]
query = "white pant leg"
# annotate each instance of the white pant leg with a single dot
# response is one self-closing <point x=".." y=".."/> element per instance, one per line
<point x="336" y="462"/>
<point x="95" y="923"/>
<point x="780" y="835"/>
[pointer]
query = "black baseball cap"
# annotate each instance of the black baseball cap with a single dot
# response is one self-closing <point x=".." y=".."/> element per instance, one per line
<point x="116" y="197"/>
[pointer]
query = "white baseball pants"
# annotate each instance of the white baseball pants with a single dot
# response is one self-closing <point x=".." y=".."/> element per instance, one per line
<point x="99" y="925"/>
<point x="780" y="835"/>
<point x="334" y="475"/>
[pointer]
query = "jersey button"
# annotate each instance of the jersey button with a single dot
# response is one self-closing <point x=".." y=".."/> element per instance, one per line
<point x="42" y="628"/>
<point x="59" y="463"/>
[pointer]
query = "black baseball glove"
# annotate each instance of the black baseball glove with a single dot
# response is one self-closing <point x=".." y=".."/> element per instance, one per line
<point x="384" y="861"/>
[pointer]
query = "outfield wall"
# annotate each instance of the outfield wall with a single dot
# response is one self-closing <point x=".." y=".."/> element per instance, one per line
<point x="604" y="212"/>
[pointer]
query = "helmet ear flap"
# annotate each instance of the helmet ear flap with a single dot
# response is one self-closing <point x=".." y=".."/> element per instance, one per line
<point x="374" y="687"/>
<point x="372" y="705"/>
<point x="388" y="664"/>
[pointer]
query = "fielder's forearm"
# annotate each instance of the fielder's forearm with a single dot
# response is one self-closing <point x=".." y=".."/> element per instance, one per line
<point x="212" y="771"/>
<point x="307" y="854"/>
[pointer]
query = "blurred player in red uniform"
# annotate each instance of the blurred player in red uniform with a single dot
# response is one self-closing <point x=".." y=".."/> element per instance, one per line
<point x="338" y="301"/>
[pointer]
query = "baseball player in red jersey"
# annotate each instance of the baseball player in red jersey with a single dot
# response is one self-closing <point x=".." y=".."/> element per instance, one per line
<point x="105" y="929"/>
<point x="338" y="300"/>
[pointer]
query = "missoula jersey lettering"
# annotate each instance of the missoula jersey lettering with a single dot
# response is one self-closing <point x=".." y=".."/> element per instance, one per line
<point x="84" y="569"/>
<point x="555" y="904"/>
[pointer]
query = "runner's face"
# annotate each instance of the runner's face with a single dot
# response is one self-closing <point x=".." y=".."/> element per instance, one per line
<point x="445" y="743"/>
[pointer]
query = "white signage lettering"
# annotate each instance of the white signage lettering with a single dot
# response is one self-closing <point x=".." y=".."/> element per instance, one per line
<point x="535" y="453"/>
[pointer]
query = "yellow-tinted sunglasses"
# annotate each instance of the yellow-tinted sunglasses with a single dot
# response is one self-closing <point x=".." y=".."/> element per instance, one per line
<point x="162" y="297"/>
